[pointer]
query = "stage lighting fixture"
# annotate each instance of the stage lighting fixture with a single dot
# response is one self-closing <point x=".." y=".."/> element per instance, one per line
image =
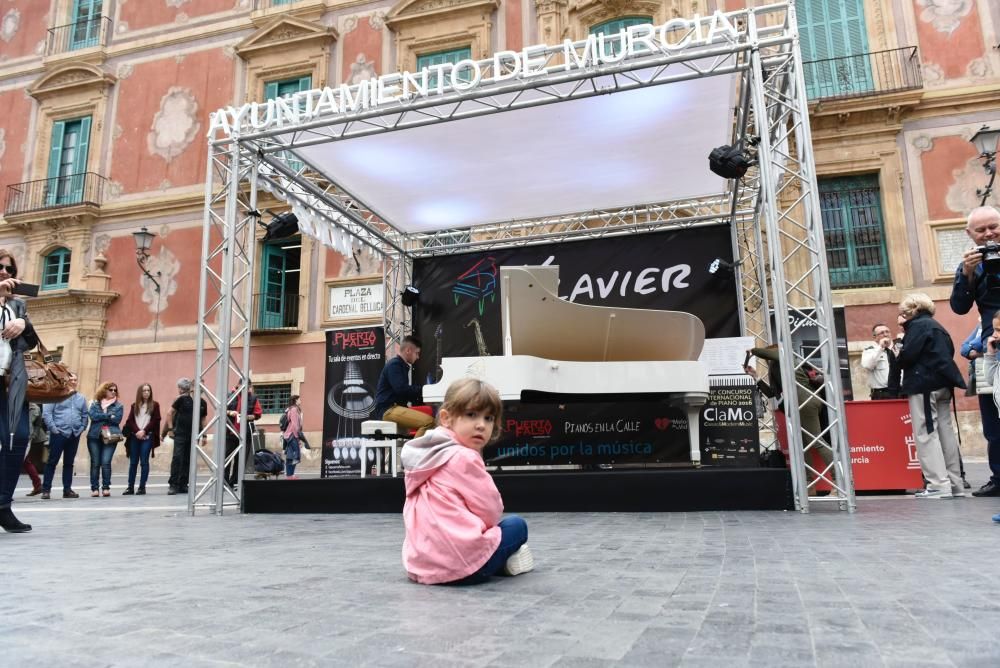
<point x="410" y="296"/>
<point x="730" y="162"/>
<point x="719" y="267"/>
<point x="282" y="226"/>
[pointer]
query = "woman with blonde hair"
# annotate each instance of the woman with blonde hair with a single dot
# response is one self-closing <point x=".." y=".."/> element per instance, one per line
<point x="930" y="375"/>
<point x="106" y="414"/>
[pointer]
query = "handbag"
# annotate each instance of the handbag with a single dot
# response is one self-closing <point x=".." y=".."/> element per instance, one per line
<point x="109" y="437"/>
<point x="48" y="380"/>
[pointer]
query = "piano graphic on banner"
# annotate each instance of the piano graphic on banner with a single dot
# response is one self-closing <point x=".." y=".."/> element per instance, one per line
<point x="558" y="351"/>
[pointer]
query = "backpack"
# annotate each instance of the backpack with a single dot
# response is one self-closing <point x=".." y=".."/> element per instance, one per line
<point x="283" y="422"/>
<point x="266" y="461"/>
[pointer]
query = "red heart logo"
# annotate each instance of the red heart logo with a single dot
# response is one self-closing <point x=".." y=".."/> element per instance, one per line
<point x="662" y="423"/>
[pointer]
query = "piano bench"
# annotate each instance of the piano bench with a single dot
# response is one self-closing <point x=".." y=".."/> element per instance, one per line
<point x="378" y="434"/>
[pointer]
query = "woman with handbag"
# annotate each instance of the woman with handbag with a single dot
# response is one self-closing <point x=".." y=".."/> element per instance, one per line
<point x="105" y="432"/>
<point x="17" y="337"/>
<point x="142" y="436"/>
<point x="290" y="436"/>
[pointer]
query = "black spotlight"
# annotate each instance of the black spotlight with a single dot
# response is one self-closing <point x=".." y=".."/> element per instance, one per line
<point x="410" y="296"/>
<point x="282" y="226"/>
<point x="730" y="162"/>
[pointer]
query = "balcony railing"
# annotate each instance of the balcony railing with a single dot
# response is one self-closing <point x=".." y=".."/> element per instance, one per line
<point x="83" y="188"/>
<point x="863" y="74"/>
<point x="276" y="312"/>
<point x="79" y="35"/>
<point x="267" y="4"/>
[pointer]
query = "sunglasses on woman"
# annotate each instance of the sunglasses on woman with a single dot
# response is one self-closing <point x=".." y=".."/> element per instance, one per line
<point x="10" y="269"/>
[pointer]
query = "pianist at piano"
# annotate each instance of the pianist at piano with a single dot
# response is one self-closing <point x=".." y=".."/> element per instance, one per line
<point x="396" y="390"/>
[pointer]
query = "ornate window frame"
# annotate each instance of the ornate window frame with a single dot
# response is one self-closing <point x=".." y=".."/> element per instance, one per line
<point x="429" y="26"/>
<point x="284" y="48"/>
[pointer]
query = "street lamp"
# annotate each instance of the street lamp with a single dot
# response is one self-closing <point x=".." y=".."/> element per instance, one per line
<point x="143" y="242"/>
<point x="985" y="141"/>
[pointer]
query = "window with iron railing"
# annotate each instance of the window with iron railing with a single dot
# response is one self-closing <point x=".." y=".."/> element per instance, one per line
<point x="854" y="231"/>
<point x="830" y="30"/>
<point x="274" y="398"/>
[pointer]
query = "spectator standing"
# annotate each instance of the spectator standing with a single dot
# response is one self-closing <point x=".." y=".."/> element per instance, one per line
<point x="291" y="435"/>
<point x="879" y="360"/>
<point x="38" y="444"/>
<point x="142" y="436"/>
<point x="66" y="421"/>
<point x="929" y="376"/>
<point x="106" y="414"/>
<point x="233" y="411"/>
<point x="178" y="425"/>
<point x="17" y="337"/>
<point x="975" y="285"/>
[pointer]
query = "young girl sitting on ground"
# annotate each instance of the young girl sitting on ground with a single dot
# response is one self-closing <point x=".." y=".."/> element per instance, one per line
<point x="454" y="533"/>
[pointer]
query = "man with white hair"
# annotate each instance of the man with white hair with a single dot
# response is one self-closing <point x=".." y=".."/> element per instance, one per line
<point x="979" y="284"/>
<point x="178" y="425"/>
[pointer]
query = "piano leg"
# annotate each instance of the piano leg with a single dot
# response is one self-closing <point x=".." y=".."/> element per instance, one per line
<point x="692" y="405"/>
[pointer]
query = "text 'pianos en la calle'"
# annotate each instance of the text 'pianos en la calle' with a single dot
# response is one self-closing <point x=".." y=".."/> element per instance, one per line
<point x="558" y="350"/>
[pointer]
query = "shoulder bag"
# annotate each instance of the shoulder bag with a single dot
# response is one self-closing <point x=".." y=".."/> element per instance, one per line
<point x="48" y="380"/>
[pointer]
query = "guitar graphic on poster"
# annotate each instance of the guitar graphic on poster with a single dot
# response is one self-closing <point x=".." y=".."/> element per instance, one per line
<point x="435" y="375"/>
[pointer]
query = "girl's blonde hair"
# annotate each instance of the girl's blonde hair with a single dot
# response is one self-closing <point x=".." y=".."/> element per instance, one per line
<point x="472" y="394"/>
<point x="914" y="303"/>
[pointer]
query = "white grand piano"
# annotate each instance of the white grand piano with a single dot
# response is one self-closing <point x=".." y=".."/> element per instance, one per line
<point x="555" y="349"/>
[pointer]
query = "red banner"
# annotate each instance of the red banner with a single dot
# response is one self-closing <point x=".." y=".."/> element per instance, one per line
<point x="883" y="452"/>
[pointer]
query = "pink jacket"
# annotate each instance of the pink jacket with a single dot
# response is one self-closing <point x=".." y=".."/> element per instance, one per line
<point x="294" y="427"/>
<point x="451" y="512"/>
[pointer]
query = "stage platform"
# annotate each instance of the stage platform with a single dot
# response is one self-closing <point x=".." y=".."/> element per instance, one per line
<point x="650" y="490"/>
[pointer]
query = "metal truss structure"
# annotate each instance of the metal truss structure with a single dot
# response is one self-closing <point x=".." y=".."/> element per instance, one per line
<point x="773" y="212"/>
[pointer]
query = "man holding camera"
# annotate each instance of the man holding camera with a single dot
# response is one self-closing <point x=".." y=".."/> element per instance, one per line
<point x="879" y="361"/>
<point x="977" y="281"/>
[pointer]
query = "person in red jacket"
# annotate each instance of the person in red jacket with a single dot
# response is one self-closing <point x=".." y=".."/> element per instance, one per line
<point x="454" y="532"/>
<point x="142" y="436"/>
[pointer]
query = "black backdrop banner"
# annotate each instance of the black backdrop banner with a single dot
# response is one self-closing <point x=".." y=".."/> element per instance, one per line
<point x="354" y="360"/>
<point x="458" y="313"/>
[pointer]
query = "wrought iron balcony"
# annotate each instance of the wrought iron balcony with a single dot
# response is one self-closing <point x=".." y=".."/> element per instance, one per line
<point x="80" y="35"/>
<point x="863" y="74"/>
<point x="267" y="4"/>
<point x="69" y="190"/>
<point x="276" y="313"/>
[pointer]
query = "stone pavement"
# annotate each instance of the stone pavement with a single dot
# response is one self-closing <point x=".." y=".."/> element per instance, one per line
<point x="135" y="581"/>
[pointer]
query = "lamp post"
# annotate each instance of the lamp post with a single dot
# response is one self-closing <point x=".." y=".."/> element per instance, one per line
<point x="143" y="242"/>
<point x="985" y="141"/>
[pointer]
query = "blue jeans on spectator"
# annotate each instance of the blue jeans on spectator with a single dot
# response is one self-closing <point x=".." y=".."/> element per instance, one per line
<point x="991" y="431"/>
<point x="513" y="534"/>
<point x="139" y="454"/>
<point x="292" y="455"/>
<point x="60" y="446"/>
<point x="11" y="459"/>
<point x="101" y="454"/>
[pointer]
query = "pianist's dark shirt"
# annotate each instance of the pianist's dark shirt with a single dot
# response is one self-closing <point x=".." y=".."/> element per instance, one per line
<point x="394" y="388"/>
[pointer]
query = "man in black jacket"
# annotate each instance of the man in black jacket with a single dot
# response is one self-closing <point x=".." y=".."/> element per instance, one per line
<point x="396" y="390"/>
<point x="974" y="285"/>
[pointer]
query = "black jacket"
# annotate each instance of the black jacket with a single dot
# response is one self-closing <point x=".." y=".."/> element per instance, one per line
<point x="394" y="388"/>
<point x="927" y="358"/>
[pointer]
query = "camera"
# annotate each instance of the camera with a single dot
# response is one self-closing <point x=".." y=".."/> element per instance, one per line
<point x="991" y="256"/>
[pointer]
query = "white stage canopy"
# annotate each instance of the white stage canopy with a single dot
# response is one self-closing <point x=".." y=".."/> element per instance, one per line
<point x="642" y="146"/>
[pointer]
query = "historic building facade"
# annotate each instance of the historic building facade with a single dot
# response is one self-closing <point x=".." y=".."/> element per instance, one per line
<point x="108" y="104"/>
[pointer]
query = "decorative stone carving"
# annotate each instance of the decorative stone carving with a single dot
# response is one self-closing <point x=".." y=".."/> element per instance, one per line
<point x="181" y="18"/>
<point x="9" y="24"/>
<point x="125" y="70"/>
<point x="175" y="125"/>
<point x="176" y="3"/>
<point x="101" y="243"/>
<point x="349" y="24"/>
<point x="117" y="132"/>
<point x="92" y="338"/>
<point x="962" y="197"/>
<point x="923" y="143"/>
<point x="979" y="68"/>
<point x="377" y="19"/>
<point x="114" y="190"/>
<point x="122" y="27"/>
<point x="165" y="184"/>
<point x="165" y="267"/>
<point x="933" y="74"/>
<point x="944" y="15"/>
<point x="362" y="70"/>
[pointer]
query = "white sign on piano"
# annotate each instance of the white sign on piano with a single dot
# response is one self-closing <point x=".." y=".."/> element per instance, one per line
<point x="354" y="302"/>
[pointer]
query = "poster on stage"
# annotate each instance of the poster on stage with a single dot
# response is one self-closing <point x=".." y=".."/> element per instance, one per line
<point x="458" y="315"/>
<point x="729" y="434"/>
<point x="354" y="359"/>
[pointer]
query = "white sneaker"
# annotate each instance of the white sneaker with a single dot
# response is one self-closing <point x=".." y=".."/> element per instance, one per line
<point x="959" y="494"/>
<point x="933" y="494"/>
<point x="519" y="562"/>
